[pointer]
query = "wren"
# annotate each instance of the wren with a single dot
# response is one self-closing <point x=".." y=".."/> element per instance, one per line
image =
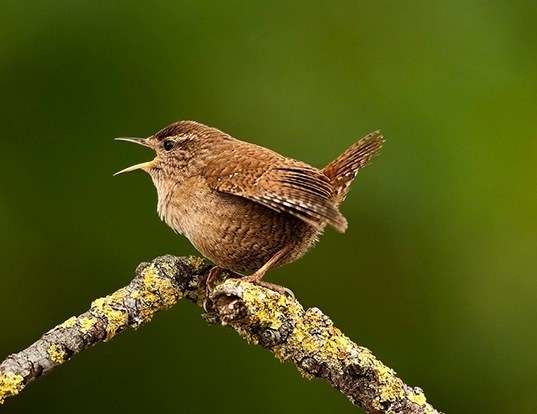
<point x="246" y="208"/>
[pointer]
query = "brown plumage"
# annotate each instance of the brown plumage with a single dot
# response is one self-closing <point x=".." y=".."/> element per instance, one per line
<point x="245" y="207"/>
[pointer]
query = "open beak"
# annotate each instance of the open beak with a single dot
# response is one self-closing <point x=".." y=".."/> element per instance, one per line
<point x="141" y="166"/>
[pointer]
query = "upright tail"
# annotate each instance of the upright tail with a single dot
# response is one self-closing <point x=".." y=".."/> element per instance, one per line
<point x="344" y="168"/>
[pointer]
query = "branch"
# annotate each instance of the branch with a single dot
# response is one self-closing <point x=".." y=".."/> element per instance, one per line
<point x="307" y="338"/>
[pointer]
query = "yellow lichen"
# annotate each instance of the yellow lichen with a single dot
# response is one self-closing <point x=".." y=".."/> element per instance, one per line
<point x="197" y="262"/>
<point x="119" y="295"/>
<point x="69" y="323"/>
<point x="417" y="398"/>
<point x="155" y="293"/>
<point x="56" y="354"/>
<point x="337" y="346"/>
<point x="305" y="340"/>
<point x="86" y="324"/>
<point x="10" y="385"/>
<point x="302" y="338"/>
<point x="116" y="319"/>
<point x="267" y="308"/>
<point x="390" y="387"/>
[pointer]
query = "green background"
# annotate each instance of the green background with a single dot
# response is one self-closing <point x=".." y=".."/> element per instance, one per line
<point x="437" y="272"/>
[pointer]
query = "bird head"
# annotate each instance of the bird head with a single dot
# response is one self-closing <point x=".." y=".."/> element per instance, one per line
<point x="174" y="145"/>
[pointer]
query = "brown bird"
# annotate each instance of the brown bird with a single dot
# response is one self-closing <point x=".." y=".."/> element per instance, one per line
<point x="246" y="208"/>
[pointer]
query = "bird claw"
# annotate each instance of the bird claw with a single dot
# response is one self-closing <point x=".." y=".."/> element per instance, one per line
<point x="276" y="288"/>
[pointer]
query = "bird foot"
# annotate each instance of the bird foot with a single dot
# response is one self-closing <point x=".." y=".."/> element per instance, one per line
<point x="257" y="279"/>
<point x="272" y="286"/>
<point x="282" y="290"/>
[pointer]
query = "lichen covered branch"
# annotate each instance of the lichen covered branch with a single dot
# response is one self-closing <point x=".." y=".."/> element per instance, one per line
<point x="157" y="285"/>
<point x="307" y="338"/>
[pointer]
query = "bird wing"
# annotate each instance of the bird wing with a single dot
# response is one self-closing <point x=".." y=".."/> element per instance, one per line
<point x="283" y="185"/>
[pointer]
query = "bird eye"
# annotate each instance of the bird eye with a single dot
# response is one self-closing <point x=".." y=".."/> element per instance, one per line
<point x="168" y="145"/>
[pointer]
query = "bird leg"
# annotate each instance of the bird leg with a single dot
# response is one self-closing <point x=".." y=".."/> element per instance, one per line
<point x="257" y="277"/>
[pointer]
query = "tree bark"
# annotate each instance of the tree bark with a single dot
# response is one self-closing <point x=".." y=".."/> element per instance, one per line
<point x="279" y="323"/>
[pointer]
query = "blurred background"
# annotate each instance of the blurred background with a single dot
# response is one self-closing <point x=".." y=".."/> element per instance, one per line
<point x="437" y="272"/>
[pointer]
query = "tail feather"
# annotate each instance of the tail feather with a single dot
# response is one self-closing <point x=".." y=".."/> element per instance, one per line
<point x="344" y="168"/>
